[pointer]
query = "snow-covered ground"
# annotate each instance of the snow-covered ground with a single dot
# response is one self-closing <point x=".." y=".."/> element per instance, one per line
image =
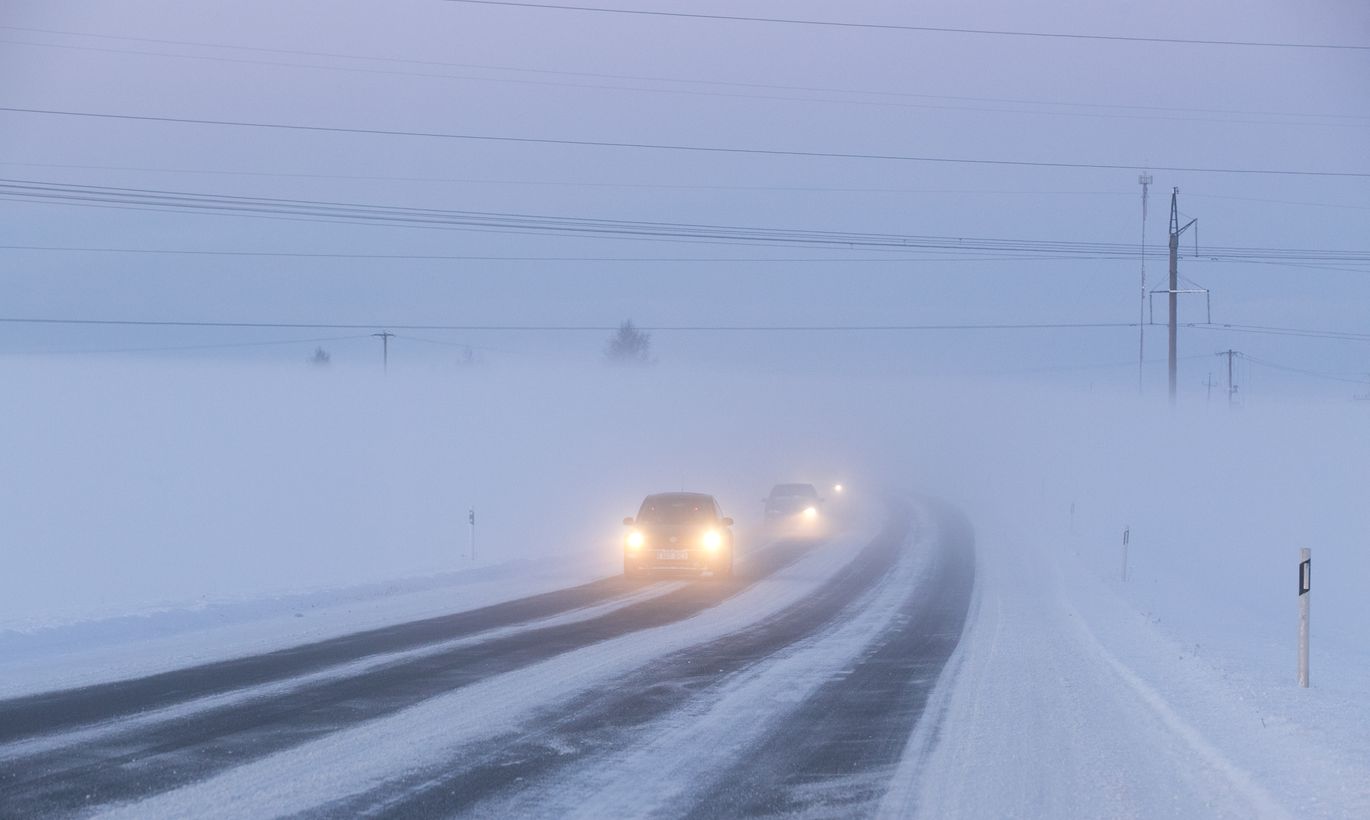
<point x="165" y="518"/>
<point x="1173" y="693"/>
<point x="1077" y="695"/>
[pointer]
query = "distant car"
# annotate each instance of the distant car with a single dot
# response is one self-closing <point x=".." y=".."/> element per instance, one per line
<point x="678" y="532"/>
<point x="796" y="505"/>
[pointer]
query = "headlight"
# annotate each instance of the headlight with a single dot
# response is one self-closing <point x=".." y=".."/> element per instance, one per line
<point x="712" y="540"/>
<point x="837" y="488"/>
<point x="810" y="513"/>
<point x="635" y="540"/>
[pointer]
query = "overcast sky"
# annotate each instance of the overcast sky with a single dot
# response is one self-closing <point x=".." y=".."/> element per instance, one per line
<point x="458" y="68"/>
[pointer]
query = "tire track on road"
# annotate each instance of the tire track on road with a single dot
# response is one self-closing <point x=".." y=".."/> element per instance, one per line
<point x="150" y="760"/>
<point x="46" y="712"/>
<point x="596" y="723"/>
<point x="835" y="754"/>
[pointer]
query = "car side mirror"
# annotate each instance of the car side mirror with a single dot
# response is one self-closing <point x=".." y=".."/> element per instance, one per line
<point x="727" y="522"/>
<point x="628" y="522"/>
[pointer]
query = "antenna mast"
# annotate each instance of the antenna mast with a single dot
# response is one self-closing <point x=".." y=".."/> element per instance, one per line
<point x="1145" y="180"/>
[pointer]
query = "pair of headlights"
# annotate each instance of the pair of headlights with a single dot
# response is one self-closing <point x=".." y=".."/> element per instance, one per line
<point x="711" y="540"/>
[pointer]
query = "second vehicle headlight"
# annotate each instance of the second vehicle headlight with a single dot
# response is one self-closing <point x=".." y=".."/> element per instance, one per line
<point x="712" y="540"/>
<point x="810" y="513"/>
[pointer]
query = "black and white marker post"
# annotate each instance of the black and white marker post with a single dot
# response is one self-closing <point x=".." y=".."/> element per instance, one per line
<point x="471" y="519"/>
<point x="1305" y="584"/>
<point x="1127" y="536"/>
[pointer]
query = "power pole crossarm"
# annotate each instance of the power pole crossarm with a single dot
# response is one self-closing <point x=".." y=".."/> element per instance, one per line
<point x="385" y="336"/>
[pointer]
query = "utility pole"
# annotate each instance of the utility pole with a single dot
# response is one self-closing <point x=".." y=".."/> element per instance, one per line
<point x="1175" y="231"/>
<point x="1145" y="180"/>
<point x="1231" y="388"/>
<point x="1208" y="382"/>
<point x="385" y="337"/>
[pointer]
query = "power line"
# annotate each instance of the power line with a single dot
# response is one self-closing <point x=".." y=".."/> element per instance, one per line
<point x="1302" y="371"/>
<point x="1284" y="202"/>
<point x="572" y="328"/>
<point x="175" y="348"/>
<point x="584" y="183"/>
<point x="665" y="79"/>
<point x="830" y="260"/>
<point x="904" y="27"/>
<point x="787" y="189"/>
<point x="1268" y="330"/>
<point x="107" y="196"/>
<point x="700" y="260"/>
<point x="706" y="149"/>
<point x="710" y="328"/>
<point x="1093" y="110"/>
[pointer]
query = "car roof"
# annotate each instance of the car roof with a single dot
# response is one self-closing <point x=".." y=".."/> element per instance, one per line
<point x="791" y="489"/>
<point x="668" y="497"/>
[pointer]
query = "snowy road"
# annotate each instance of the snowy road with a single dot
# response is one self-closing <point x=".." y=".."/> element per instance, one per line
<point x="794" y="688"/>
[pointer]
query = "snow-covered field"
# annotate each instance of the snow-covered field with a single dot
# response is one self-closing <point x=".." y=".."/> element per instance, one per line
<point x="156" y="516"/>
<point x="1173" y="693"/>
<point x="1068" y="701"/>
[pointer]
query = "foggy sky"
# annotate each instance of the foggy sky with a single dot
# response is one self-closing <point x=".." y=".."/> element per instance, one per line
<point x="140" y="77"/>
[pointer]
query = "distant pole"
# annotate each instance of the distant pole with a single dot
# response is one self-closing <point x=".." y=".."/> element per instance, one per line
<point x="1231" y="388"/>
<point x="384" y="336"/>
<point x="471" y="519"/>
<point x="1208" y="382"/>
<point x="1305" y="584"/>
<point x="1174" y="286"/>
<point x="1072" y="518"/>
<point x="1175" y="231"/>
<point x="1145" y="180"/>
<point x="1127" y="536"/>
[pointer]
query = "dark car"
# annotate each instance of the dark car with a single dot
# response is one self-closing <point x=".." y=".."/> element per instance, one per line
<point x="679" y="532"/>
<point x="793" y="504"/>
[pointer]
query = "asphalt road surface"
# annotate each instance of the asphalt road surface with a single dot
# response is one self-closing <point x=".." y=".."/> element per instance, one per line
<point x="791" y="689"/>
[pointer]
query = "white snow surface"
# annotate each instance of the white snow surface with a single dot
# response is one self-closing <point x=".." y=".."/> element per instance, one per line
<point x="1064" y="700"/>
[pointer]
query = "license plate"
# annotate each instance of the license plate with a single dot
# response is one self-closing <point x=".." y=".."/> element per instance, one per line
<point x="672" y="555"/>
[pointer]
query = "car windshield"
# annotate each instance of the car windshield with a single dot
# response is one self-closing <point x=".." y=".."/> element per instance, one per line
<point x="794" y="491"/>
<point x="675" y="511"/>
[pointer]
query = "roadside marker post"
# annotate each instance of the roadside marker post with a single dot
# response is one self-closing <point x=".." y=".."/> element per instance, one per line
<point x="471" y="519"/>
<point x="1127" y="536"/>
<point x="1305" y="585"/>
